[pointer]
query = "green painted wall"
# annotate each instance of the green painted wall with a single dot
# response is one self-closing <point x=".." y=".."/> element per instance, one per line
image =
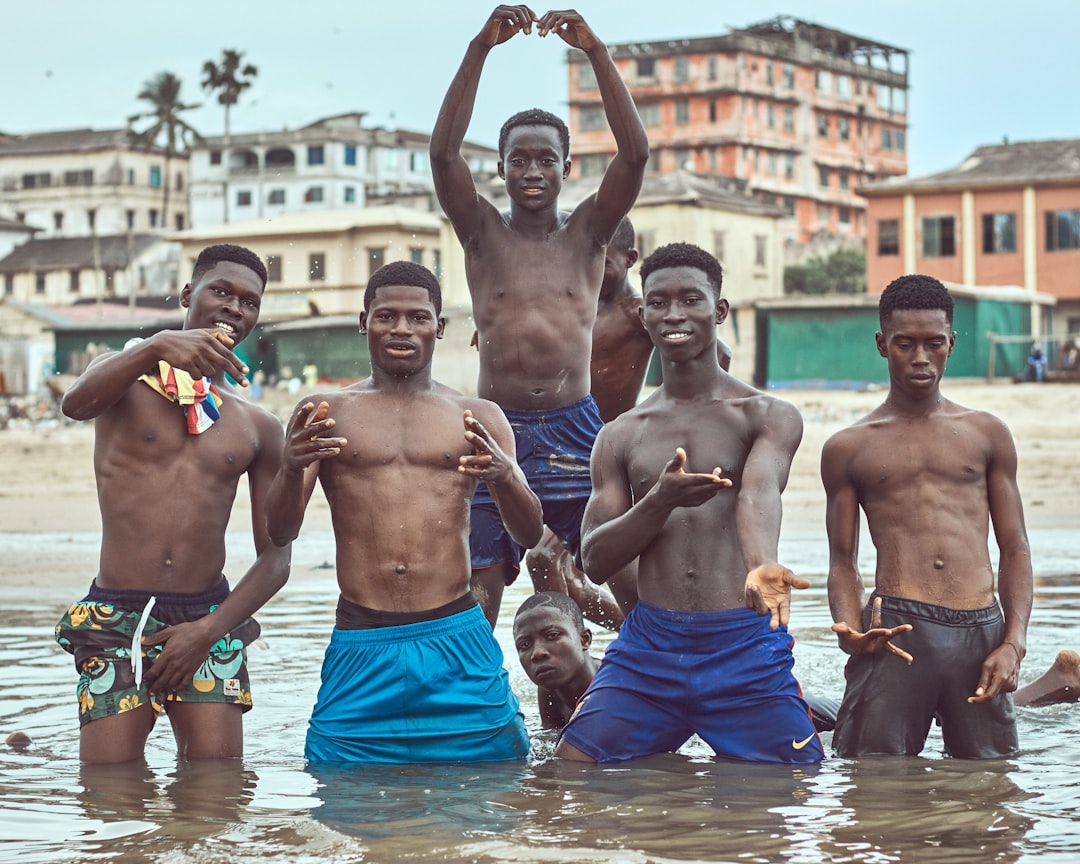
<point x="337" y="351"/>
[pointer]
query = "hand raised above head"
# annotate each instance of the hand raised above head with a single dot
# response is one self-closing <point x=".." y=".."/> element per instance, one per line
<point x="768" y="591"/>
<point x="876" y="639"/>
<point x="569" y="26"/>
<point x="506" y="22"/>
<point x="305" y="438"/>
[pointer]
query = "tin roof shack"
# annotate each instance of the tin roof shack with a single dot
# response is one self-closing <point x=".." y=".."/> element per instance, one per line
<point x="828" y="341"/>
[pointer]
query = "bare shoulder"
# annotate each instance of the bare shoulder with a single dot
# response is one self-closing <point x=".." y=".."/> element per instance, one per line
<point x="989" y="425"/>
<point x="262" y="422"/>
<point x="484" y="410"/>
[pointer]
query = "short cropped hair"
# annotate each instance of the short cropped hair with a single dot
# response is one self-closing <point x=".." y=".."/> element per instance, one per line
<point x="914" y="291"/>
<point x="624" y="235"/>
<point x="211" y="256"/>
<point x="560" y="602"/>
<point x="535" y="117"/>
<point x="684" y="255"/>
<point x="404" y="273"/>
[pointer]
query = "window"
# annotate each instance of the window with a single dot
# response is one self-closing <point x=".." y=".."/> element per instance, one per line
<point x="789" y="76"/>
<point x="416" y="255"/>
<point x="939" y="237"/>
<point x="243" y="198"/>
<point x="999" y="232"/>
<point x="73" y="280"/>
<point x="823" y="176"/>
<point x="770" y="116"/>
<point x="153" y="217"/>
<point x="130" y="176"/>
<point x="886" y="138"/>
<point x="418" y="161"/>
<point x="376" y="257"/>
<point x="843" y="128"/>
<point x="843" y="86"/>
<point x="823" y="81"/>
<point x="718" y="238"/>
<point x="770" y="165"/>
<point x="273" y="268"/>
<point x="276" y="196"/>
<point x="350" y="194"/>
<point x="350" y="154"/>
<point x="9" y="283"/>
<point x="129" y="215"/>
<point x="682" y="69"/>
<point x="844" y="217"/>
<point x="823" y="125"/>
<point x="592" y="118"/>
<point x="823" y="215"/>
<point x="36" y="181"/>
<point x="79" y="178"/>
<point x="436" y="267"/>
<point x="391" y="158"/>
<point x="39" y="283"/>
<point x="842" y="176"/>
<point x="586" y="77"/>
<point x="58" y="220"/>
<point x="155" y="176"/>
<point x="712" y="68"/>
<point x="899" y="100"/>
<point x="712" y="110"/>
<point x="682" y="112"/>
<point x="316" y="154"/>
<point x="179" y="221"/>
<point x="649" y="114"/>
<point x="179" y="182"/>
<point x="769" y="72"/>
<point x="884" y="98"/>
<point x="1062" y="229"/>
<point x="789" y="166"/>
<point x="91" y="217"/>
<point x="313" y="195"/>
<point x="215" y="157"/>
<point x="646" y="67"/>
<point x="789" y="119"/>
<point x="888" y="237"/>
<point x="317" y="266"/>
<point x="760" y="248"/>
<point x="683" y="159"/>
<point x="898" y="140"/>
<point x="789" y="205"/>
<point x="592" y="166"/>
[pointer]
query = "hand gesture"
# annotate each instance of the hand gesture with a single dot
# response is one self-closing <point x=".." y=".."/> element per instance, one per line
<point x="768" y="591"/>
<point x="676" y="488"/>
<point x="487" y="462"/>
<point x="570" y="27"/>
<point x="201" y="353"/>
<point x="305" y="437"/>
<point x="876" y="639"/>
<point x="185" y="650"/>
<point x="1000" y="673"/>
<point x="506" y="22"/>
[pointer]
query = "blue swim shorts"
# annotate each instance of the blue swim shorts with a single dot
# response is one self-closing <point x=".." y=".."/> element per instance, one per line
<point x="722" y="674"/>
<point x="434" y="691"/>
<point x="553" y="450"/>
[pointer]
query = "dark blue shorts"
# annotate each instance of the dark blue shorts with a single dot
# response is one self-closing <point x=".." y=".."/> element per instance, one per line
<point x="889" y="705"/>
<point x="553" y="449"/>
<point x="724" y="675"/>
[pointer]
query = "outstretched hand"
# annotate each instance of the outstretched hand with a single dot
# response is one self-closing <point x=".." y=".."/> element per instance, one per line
<point x="487" y="462"/>
<point x="569" y="26"/>
<point x="1000" y="673"/>
<point x="506" y="22"/>
<point x="768" y="591"/>
<point x="677" y="488"/>
<point x="305" y="437"/>
<point x="876" y="639"/>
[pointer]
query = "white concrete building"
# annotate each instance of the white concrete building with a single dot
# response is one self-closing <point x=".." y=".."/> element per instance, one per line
<point x="334" y="163"/>
<point x="74" y="182"/>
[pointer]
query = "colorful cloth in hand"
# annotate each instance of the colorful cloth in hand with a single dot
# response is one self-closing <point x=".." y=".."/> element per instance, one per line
<point x="198" y="396"/>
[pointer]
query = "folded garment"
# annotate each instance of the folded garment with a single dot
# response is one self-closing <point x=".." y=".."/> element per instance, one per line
<point x="198" y="396"/>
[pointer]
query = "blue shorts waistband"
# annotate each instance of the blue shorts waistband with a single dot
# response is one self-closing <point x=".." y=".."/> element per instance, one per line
<point x="549" y="413"/>
<point x="699" y="618"/>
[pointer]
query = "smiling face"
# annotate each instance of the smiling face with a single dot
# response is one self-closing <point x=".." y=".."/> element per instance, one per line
<point x="553" y="653"/>
<point x="401" y="327"/>
<point x="681" y="311"/>
<point x="226" y="297"/>
<point x="917" y="344"/>
<point x="533" y="166"/>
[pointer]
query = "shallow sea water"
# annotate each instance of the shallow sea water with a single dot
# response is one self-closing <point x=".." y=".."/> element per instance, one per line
<point x="673" y="808"/>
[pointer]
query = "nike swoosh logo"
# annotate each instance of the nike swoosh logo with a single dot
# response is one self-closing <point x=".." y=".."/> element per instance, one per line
<point x="798" y="745"/>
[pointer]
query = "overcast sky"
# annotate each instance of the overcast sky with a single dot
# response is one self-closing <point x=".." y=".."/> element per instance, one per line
<point x="979" y="71"/>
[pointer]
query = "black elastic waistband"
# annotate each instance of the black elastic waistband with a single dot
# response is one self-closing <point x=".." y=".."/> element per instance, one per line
<point x="353" y="616"/>
<point x="136" y="600"/>
<point x="940" y="614"/>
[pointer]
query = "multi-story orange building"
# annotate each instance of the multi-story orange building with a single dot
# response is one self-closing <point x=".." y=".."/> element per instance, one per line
<point x="805" y="114"/>
<point x="1009" y="214"/>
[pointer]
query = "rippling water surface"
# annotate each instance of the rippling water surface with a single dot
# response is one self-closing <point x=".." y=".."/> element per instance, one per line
<point x="681" y="807"/>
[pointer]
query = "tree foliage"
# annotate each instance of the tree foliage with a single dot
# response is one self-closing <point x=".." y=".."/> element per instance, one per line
<point x="229" y="78"/>
<point x="842" y="272"/>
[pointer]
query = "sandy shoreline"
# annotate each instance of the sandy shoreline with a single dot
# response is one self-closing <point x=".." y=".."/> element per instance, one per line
<point x="48" y="485"/>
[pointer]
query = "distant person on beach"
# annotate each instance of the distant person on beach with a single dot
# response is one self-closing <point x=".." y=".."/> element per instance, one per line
<point x="413" y="672"/>
<point x="160" y="628"/>
<point x="689" y="482"/>
<point x="621" y="349"/>
<point x="931" y="476"/>
<point x="534" y="274"/>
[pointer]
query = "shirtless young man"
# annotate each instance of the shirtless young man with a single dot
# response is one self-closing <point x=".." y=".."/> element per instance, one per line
<point x="930" y="475"/>
<point x="167" y="474"/>
<point x="412" y="672"/>
<point x="691" y="657"/>
<point x="621" y="349"/>
<point x="534" y="273"/>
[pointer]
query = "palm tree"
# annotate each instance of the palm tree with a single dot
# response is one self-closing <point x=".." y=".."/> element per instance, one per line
<point x="229" y="78"/>
<point x="163" y="93"/>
